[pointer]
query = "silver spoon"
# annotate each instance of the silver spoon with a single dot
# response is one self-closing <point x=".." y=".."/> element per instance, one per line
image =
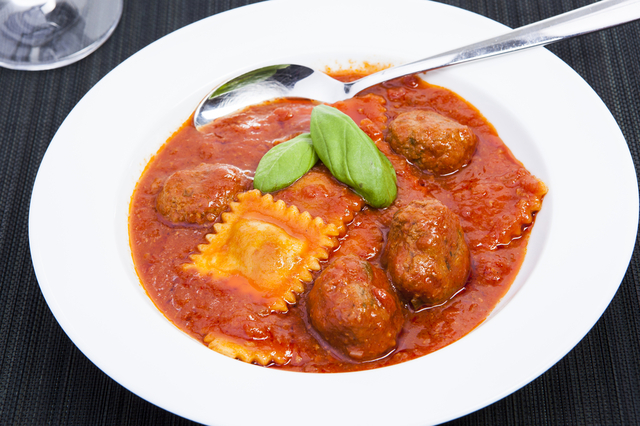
<point x="297" y="81"/>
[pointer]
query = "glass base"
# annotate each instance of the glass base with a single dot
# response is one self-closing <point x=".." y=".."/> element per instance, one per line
<point x="47" y="34"/>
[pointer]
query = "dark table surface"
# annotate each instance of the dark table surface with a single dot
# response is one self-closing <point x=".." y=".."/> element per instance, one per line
<point x="45" y="379"/>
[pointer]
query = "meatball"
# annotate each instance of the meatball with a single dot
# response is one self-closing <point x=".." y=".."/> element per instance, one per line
<point x="431" y="141"/>
<point x="427" y="256"/>
<point x="353" y="306"/>
<point x="200" y="194"/>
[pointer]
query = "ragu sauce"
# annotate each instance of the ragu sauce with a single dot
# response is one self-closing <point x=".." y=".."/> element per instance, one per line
<point x="494" y="196"/>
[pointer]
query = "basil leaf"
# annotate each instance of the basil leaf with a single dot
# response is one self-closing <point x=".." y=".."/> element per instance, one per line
<point x="285" y="163"/>
<point x="352" y="157"/>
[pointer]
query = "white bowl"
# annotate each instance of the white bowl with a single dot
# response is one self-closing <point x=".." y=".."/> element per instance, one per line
<point x="549" y="117"/>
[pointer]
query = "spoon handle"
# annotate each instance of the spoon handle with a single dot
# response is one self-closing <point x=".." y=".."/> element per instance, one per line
<point x="590" y="18"/>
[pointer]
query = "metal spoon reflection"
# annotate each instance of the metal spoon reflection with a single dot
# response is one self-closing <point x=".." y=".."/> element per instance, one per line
<point x="298" y="81"/>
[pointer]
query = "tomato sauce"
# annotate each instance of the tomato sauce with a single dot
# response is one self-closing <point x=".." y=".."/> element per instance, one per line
<point x="495" y="197"/>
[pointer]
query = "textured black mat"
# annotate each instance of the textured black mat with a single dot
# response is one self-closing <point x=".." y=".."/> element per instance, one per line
<point x="46" y="380"/>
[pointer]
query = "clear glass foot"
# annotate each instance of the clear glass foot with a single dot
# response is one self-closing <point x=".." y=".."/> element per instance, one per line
<point x="47" y="34"/>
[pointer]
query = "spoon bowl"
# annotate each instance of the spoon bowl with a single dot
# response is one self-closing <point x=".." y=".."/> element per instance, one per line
<point x="298" y="81"/>
<point x="263" y="84"/>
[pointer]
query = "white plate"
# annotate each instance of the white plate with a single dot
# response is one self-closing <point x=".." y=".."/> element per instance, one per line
<point x="550" y="118"/>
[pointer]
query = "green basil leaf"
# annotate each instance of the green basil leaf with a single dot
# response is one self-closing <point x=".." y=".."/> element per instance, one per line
<point x="352" y="157"/>
<point x="285" y="163"/>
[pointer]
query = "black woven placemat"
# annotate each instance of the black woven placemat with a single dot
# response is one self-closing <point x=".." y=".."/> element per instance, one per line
<point x="46" y="380"/>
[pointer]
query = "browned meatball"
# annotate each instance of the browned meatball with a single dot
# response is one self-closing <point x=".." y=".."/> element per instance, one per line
<point x="200" y="194"/>
<point x="355" y="309"/>
<point x="426" y="255"/>
<point x="432" y="141"/>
